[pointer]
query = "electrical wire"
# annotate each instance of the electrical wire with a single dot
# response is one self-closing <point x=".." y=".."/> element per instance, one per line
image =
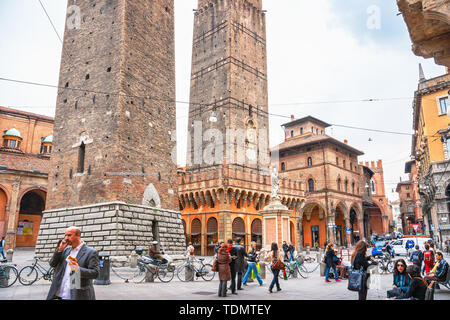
<point x="51" y="22"/>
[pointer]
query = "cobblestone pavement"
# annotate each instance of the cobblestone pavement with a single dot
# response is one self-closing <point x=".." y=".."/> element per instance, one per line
<point x="312" y="288"/>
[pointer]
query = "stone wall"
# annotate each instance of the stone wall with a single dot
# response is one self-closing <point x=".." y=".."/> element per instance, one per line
<point x="115" y="228"/>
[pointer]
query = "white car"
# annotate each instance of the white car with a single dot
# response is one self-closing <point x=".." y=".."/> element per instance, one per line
<point x="399" y="245"/>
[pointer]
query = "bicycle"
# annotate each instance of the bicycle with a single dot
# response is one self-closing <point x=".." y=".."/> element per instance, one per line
<point x="385" y="264"/>
<point x="8" y="275"/>
<point x="309" y="259"/>
<point x="30" y="274"/>
<point x="188" y="269"/>
<point x="291" y="267"/>
<point x="164" y="271"/>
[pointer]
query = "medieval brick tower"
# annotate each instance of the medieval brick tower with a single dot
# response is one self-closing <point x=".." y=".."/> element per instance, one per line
<point x="226" y="180"/>
<point x="113" y="134"/>
<point x="115" y="114"/>
<point x="229" y="81"/>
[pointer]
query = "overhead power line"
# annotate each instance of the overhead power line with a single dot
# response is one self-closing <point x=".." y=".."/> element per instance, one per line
<point x="51" y="22"/>
<point x="175" y="101"/>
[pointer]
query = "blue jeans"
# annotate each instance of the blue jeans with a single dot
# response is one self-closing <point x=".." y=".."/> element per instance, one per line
<point x="251" y="266"/>
<point x="327" y="272"/>
<point x="2" y="252"/>
<point x="275" y="279"/>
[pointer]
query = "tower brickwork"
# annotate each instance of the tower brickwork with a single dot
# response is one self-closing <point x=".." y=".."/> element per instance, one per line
<point x="115" y="110"/>
<point x="229" y="76"/>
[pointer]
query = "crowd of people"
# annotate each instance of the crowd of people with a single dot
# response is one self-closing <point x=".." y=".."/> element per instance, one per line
<point x="231" y="258"/>
<point x="412" y="281"/>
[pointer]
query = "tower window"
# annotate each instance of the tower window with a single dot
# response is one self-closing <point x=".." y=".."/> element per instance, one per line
<point x="311" y="185"/>
<point x="283" y="166"/>
<point x="309" y="162"/>
<point x="301" y="130"/>
<point x="443" y="105"/>
<point x="292" y="133"/>
<point x="81" y="157"/>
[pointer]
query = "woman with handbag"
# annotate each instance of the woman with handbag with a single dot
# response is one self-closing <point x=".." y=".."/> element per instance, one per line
<point x="277" y="265"/>
<point x="401" y="279"/>
<point x="331" y="260"/>
<point x="223" y="264"/>
<point x="360" y="261"/>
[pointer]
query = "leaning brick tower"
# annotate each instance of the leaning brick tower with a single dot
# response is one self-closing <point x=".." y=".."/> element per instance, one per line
<point x="229" y="79"/>
<point x="115" y="115"/>
<point x="226" y="181"/>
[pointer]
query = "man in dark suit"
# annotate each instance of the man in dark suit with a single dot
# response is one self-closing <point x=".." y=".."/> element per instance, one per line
<point x="240" y="262"/>
<point x="73" y="279"/>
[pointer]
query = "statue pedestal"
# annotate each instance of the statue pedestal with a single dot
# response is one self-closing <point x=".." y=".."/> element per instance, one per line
<point x="275" y="224"/>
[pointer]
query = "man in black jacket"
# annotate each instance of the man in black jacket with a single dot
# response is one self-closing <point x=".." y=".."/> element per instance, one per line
<point x="240" y="262"/>
<point x="286" y="251"/>
<point x="233" y="254"/>
<point x="73" y="276"/>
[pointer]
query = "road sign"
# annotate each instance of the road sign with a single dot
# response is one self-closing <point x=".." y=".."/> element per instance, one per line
<point x="415" y="226"/>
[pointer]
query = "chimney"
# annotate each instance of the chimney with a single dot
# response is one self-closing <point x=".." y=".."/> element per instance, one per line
<point x="346" y="141"/>
<point x="372" y="164"/>
<point x="367" y="164"/>
<point x="292" y="117"/>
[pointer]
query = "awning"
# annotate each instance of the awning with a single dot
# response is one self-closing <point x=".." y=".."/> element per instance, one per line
<point x="240" y="233"/>
<point x="257" y="233"/>
<point x="195" y="234"/>
<point x="211" y="233"/>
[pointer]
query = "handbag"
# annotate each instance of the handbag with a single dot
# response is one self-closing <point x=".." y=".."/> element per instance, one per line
<point x="356" y="278"/>
<point x="394" y="292"/>
<point x="278" y="265"/>
<point x="215" y="266"/>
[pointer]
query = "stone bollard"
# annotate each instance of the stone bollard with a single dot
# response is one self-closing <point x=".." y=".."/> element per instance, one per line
<point x="262" y="270"/>
<point x="150" y="274"/>
<point x="188" y="273"/>
<point x="323" y="267"/>
<point x="133" y="259"/>
<point x="9" y="255"/>
<point x="319" y="257"/>
<point x="308" y="250"/>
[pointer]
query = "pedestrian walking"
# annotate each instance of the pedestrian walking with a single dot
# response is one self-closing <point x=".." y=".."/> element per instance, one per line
<point x="189" y="253"/>
<point x="428" y="258"/>
<point x="447" y="246"/>
<point x="291" y="252"/>
<point x="76" y="265"/>
<point x="233" y="253"/>
<point x="359" y="260"/>
<point x="331" y="261"/>
<point x="219" y="244"/>
<point x="417" y="257"/>
<point x="417" y="287"/>
<point x="401" y="279"/>
<point x="223" y="262"/>
<point x="275" y="257"/>
<point x="252" y="260"/>
<point x="432" y="248"/>
<point x="2" y="247"/>
<point x="285" y="250"/>
<point x="240" y="262"/>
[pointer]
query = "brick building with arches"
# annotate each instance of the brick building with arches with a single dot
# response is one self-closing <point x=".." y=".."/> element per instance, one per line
<point x="24" y="163"/>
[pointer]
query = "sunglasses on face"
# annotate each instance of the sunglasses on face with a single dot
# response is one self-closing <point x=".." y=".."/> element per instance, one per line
<point x="400" y="265"/>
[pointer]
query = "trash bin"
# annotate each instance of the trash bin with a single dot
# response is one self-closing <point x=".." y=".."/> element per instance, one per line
<point x="103" y="275"/>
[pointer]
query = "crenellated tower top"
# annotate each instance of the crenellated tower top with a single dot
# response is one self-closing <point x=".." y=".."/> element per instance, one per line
<point x="256" y="3"/>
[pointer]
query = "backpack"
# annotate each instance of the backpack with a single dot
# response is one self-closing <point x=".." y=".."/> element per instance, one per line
<point x="428" y="257"/>
<point x="415" y="257"/>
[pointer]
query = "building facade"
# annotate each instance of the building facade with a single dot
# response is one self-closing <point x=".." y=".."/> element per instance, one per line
<point x="428" y="23"/>
<point x="226" y="181"/>
<point x="430" y="148"/>
<point x="333" y="180"/>
<point x="115" y="114"/>
<point x="24" y="162"/>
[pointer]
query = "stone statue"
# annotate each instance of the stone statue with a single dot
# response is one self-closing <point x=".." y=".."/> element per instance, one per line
<point x="275" y="183"/>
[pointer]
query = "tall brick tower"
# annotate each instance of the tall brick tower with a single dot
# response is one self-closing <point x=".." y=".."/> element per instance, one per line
<point x="224" y="186"/>
<point x="115" y="116"/>
<point x="123" y="56"/>
<point x="229" y="79"/>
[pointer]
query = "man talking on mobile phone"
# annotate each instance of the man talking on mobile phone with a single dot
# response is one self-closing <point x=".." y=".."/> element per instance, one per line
<point x="76" y="265"/>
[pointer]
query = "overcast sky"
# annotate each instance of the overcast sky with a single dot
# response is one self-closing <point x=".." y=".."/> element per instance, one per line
<point x="318" y="51"/>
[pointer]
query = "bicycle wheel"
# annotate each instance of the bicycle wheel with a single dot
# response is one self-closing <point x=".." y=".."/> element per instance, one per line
<point x="185" y="273"/>
<point x="139" y="274"/>
<point x="302" y="271"/>
<point x="381" y="267"/>
<point x="165" y="274"/>
<point x="28" y="275"/>
<point x="8" y="276"/>
<point x="390" y="267"/>
<point x="207" y="273"/>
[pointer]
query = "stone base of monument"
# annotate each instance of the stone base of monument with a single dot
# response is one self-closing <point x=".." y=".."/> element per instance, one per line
<point x="115" y="228"/>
